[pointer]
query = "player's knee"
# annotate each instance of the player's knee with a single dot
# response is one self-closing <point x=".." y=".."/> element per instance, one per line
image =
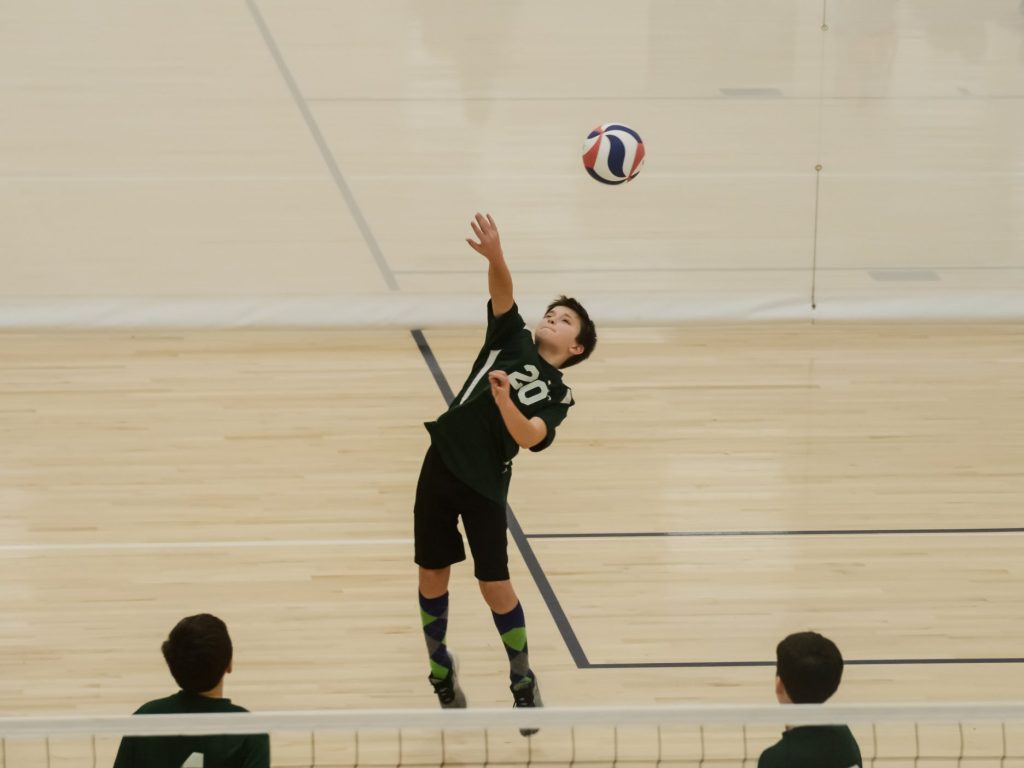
<point x="434" y="581"/>
<point x="499" y="595"/>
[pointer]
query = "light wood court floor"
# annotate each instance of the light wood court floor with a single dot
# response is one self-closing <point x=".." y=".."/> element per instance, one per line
<point x="267" y="477"/>
<point x="278" y="163"/>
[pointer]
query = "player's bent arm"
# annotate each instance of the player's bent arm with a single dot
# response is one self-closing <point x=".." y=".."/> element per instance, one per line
<point x="526" y="432"/>
<point x="499" y="283"/>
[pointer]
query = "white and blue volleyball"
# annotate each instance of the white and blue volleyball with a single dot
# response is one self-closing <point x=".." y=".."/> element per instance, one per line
<point x="613" y="153"/>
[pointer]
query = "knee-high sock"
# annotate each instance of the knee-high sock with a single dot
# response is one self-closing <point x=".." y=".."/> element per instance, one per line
<point x="434" y="613"/>
<point x="512" y="628"/>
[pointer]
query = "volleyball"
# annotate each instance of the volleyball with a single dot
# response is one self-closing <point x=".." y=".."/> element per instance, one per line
<point x="613" y="153"/>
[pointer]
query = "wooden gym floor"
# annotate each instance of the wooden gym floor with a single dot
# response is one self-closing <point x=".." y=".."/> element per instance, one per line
<point x="716" y="487"/>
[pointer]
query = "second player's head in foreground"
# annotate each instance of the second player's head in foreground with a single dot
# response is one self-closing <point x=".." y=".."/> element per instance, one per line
<point x="198" y="652"/>
<point x="808" y="669"/>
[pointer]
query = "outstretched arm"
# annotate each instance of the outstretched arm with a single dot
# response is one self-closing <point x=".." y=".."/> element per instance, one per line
<point x="499" y="279"/>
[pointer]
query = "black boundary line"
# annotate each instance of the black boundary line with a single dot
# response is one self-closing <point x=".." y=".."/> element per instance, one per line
<point x="520" y="538"/>
<point x="822" y="532"/>
<point x="848" y="662"/>
<point x="562" y="620"/>
<point x="651" y="270"/>
<point x="764" y="96"/>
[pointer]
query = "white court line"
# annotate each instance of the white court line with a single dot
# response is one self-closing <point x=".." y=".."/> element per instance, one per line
<point x="100" y="546"/>
<point x="161" y="179"/>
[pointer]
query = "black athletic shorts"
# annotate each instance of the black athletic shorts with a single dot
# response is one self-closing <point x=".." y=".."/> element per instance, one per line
<point x="441" y="498"/>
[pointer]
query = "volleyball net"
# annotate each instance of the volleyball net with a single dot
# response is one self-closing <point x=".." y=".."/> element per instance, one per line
<point x="889" y="736"/>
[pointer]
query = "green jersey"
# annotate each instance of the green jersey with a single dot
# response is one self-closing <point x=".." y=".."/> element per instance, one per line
<point x="471" y="435"/>
<point x="242" y="751"/>
<point x="818" y="746"/>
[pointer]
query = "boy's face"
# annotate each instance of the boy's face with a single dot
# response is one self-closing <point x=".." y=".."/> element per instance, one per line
<point x="557" y="331"/>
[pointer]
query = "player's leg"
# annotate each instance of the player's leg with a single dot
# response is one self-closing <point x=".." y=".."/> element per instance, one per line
<point x="510" y="621"/>
<point x="434" y="581"/>
<point x="438" y="544"/>
<point x="486" y="531"/>
<point x="434" y="616"/>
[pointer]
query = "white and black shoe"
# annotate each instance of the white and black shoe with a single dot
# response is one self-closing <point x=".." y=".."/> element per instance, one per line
<point x="449" y="692"/>
<point x="526" y="693"/>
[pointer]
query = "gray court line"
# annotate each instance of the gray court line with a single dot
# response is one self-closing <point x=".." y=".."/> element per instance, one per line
<point x="433" y="365"/>
<point x="618" y="98"/>
<point x="325" y="151"/>
<point x="730" y="664"/>
<point x="558" y="613"/>
<point x="814" y="241"/>
<point x="848" y="662"/>
<point x="906" y="175"/>
<point x="146" y="546"/>
<point x="529" y="557"/>
<point x="725" y="534"/>
<point x="603" y="270"/>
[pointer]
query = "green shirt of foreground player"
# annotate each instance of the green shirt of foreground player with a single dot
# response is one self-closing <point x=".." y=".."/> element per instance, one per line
<point x="252" y="751"/>
<point x="198" y="653"/>
<point x="813" y="746"/>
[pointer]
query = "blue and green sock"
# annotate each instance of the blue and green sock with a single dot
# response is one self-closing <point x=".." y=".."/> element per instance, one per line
<point x="434" y="614"/>
<point x="512" y="628"/>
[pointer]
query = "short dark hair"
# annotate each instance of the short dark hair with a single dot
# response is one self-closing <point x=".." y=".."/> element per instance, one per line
<point x="810" y="667"/>
<point x="198" y="652"/>
<point x="587" y="337"/>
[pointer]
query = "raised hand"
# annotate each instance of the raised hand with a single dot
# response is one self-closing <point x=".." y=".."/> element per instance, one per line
<point x="488" y="242"/>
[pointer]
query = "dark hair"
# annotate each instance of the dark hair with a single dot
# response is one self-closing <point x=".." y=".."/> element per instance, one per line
<point x="587" y="337"/>
<point x="198" y="652"/>
<point x="810" y="667"/>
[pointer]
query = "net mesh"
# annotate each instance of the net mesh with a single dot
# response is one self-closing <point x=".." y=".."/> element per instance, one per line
<point x="890" y="736"/>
